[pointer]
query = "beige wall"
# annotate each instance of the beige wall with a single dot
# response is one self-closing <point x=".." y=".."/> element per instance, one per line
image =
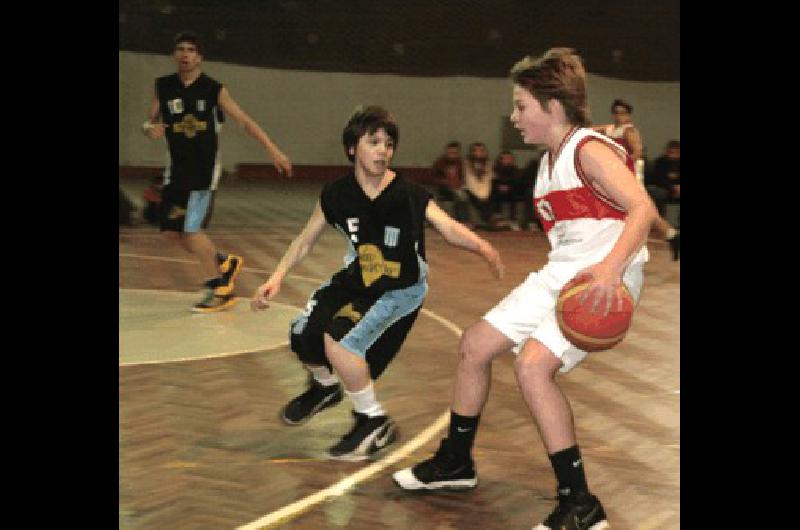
<point x="304" y="112"/>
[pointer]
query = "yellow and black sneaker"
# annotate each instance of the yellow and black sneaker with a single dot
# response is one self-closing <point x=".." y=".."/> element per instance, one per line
<point x="229" y="268"/>
<point x="214" y="302"/>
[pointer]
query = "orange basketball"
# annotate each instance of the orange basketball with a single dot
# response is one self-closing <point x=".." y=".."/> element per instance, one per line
<point x="592" y="331"/>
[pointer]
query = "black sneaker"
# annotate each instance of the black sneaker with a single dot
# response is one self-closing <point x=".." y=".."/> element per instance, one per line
<point x="368" y="436"/>
<point x="581" y="511"/>
<point x="675" y="245"/>
<point x="444" y="471"/>
<point x="212" y="303"/>
<point x="316" y="398"/>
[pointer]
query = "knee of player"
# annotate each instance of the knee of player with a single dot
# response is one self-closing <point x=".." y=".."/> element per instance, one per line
<point x="469" y="349"/>
<point x="536" y="363"/>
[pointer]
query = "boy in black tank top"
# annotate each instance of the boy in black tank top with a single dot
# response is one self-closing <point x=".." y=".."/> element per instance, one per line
<point x="355" y="323"/>
<point x="185" y="109"/>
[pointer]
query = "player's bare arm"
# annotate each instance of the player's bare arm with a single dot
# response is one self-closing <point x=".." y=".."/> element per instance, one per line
<point x="635" y="141"/>
<point x="459" y="235"/>
<point x="296" y="252"/>
<point x="608" y="174"/>
<point x="231" y="108"/>
<point x="153" y="127"/>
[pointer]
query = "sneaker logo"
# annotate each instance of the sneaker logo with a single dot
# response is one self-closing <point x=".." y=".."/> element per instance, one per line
<point x="380" y="442"/>
<point x="576" y="463"/>
<point x="459" y="429"/>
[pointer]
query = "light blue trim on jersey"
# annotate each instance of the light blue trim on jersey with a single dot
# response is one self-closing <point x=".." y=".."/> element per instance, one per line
<point x="389" y="308"/>
<point x="196" y="210"/>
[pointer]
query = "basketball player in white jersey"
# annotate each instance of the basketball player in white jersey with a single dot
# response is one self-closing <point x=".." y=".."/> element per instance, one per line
<point x="596" y="217"/>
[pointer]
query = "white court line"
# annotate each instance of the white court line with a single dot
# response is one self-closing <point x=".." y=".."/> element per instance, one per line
<point x="213" y="355"/>
<point x="341" y="487"/>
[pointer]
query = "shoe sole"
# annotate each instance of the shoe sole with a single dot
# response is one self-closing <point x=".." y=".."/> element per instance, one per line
<point x="411" y="483"/>
<point x="368" y="448"/>
<point x="602" y="525"/>
<point x="333" y="399"/>
<point x="222" y="307"/>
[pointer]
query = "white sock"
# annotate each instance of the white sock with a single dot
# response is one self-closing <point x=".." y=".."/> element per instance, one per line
<point x="671" y="232"/>
<point x="364" y="401"/>
<point x="322" y="375"/>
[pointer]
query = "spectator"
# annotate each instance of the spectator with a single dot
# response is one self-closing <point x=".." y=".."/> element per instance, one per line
<point x="508" y="186"/>
<point x="478" y="181"/>
<point x="448" y="176"/>
<point x="663" y="181"/>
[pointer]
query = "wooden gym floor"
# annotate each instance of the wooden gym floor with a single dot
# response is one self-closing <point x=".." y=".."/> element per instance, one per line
<point x="201" y="445"/>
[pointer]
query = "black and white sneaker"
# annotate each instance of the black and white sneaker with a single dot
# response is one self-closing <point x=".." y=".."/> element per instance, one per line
<point x="368" y="436"/>
<point x="444" y="471"/>
<point x="580" y="511"/>
<point x="316" y="398"/>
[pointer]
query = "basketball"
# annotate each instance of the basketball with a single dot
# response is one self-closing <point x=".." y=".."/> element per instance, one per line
<point x="592" y="331"/>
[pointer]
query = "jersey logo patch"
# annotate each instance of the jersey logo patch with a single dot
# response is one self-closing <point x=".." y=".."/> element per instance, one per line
<point x="545" y="210"/>
<point x="175" y="106"/>
<point x="352" y="226"/>
<point x="201" y="105"/>
<point x="390" y="236"/>
<point x="190" y="126"/>
<point x="373" y="266"/>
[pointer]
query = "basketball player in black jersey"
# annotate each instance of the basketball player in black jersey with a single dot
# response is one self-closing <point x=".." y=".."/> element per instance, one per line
<point x="354" y="324"/>
<point x="185" y="109"/>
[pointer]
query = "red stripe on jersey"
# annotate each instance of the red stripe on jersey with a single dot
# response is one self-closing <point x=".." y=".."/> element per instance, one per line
<point x="576" y="203"/>
<point x="581" y="175"/>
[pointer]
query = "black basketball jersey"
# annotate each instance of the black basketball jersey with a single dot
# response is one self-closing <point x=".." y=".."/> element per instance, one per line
<point x="190" y="113"/>
<point x="386" y="234"/>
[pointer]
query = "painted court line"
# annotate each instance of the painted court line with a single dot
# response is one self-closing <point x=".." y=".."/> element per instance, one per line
<point x="292" y="510"/>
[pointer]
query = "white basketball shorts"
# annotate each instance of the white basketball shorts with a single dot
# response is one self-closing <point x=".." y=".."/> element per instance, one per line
<point x="529" y="311"/>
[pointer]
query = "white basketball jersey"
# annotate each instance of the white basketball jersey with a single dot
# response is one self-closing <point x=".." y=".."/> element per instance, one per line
<point x="581" y="223"/>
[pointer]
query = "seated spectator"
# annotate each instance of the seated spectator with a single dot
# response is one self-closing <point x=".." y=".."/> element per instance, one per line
<point x="478" y="181"/>
<point x="448" y="176"/>
<point x="508" y="186"/>
<point x="529" y="173"/>
<point x="663" y="181"/>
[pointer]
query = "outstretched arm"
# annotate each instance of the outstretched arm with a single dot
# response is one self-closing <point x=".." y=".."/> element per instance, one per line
<point x="298" y="250"/>
<point x="460" y="236"/>
<point x="279" y="160"/>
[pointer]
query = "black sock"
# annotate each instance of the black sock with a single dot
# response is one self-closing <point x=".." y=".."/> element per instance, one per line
<point x="568" y="466"/>
<point x="462" y="434"/>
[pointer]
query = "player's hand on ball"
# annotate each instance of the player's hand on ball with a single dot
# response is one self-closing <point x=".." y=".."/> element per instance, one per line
<point x="603" y="290"/>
